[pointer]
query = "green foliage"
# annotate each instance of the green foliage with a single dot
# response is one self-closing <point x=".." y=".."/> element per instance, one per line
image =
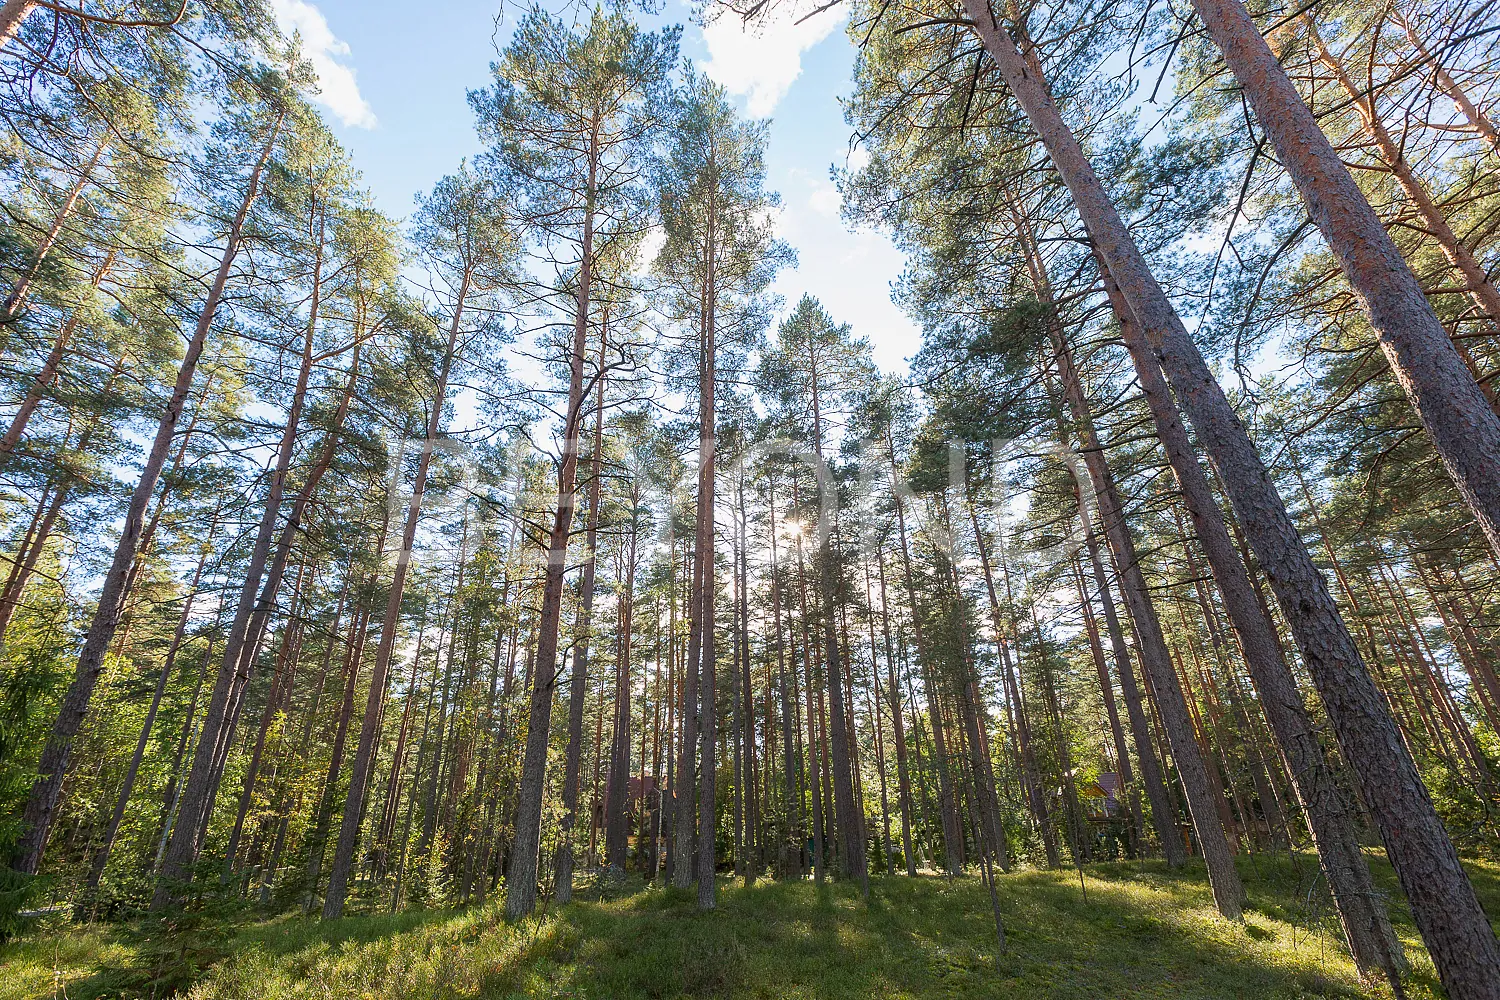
<point x="1132" y="930"/>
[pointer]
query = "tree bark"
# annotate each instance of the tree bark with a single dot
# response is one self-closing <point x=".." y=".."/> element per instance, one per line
<point x="705" y="597"/>
<point x="18" y="293"/>
<point x="791" y="790"/>
<point x="1171" y="703"/>
<point x="815" y="759"/>
<point x="952" y="832"/>
<point x="240" y="645"/>
<point x="12" y="14"/>
<point x="747" y="731"/>
<point x="1477" y="119"/>
<point x="898" y="732"/>
<point x="1457" y="932"/>
<point x="36" y="820"/>
<point x="44" y="378"/>
<point x="848" y="814"/>
<point x="578" y="682"/>
<point x="1124" y="772"/>
<point x="1463" y="427"/>
<point x="617" y="787"/>
<point x="1481" y="290"/>
<point x="364" y="754"/>
<point x="1367" y="927"/>
<point x="521" y="881"/>
<point x="1025" y="750"/>
<point x="101" y="858"/>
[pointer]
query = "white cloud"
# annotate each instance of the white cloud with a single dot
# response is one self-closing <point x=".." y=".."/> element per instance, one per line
<point x="849" y="270"/>
<point x="825" y="199"/>
<point x="762" y="62"/>
<point x="339" y="92"/>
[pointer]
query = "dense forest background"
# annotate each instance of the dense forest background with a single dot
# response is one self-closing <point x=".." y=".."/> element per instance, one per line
<point x="1181" y="538"/>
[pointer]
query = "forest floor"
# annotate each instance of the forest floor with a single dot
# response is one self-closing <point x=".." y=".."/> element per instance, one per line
<point x="1138" y="931"/>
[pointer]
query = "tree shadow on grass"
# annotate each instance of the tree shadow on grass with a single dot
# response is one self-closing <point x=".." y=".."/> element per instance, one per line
<point x="1140" y="931"/>
<point x="935" y="938"/>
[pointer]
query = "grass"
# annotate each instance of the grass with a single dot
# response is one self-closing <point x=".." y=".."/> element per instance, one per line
<point x="1142" y="931"/>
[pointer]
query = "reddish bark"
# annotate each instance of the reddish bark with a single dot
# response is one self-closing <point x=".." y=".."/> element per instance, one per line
<point x="37" y="817"/>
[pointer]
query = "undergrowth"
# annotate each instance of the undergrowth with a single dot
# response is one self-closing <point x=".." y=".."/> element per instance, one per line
<point x="1125" y="930"/>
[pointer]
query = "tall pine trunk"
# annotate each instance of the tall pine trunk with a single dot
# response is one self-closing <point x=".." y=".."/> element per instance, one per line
<point x="1481" y="290"/>
<point x="12" y="14"/>
<point x="848" y="814"/>
<point x="1464" y="428"/>
<point x="1031" y="783"/>
<point x="1367" y="926"/>
<point x="578" y="682"/>
<point x="364" y="754"/>
<point x="101" y="858"/>
<point x="36" y="820"/>
<point x="898" y="730"/>
<point x="617" y="786"/>
<point x="48" y="372"/>
<point x="705" y="596"/>
<point x="521" y="881"/>
<point x="1480" y="122"/>
<point x="1171" y="702"/>
<point x="16" y="300"/>
<point x="1452" y="922"/>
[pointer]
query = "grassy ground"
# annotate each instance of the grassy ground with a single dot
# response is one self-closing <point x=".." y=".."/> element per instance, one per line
<point x="1141" y="932"/>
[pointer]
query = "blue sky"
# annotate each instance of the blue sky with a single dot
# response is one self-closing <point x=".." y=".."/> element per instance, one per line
<point x="394" y="87"/>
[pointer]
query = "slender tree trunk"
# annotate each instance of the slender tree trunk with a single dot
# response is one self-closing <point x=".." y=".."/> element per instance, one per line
<point x="364" y="754"/>
<point x="1457" y="932"/>
<point x="250" y="618"/>
<point x="1172" y="706"/>
<point x="1367" y="926"/>
<point x="815" y="759"/>
<point x="1477" y="119"/>
<point x="848" y="815"/>
<point x="1124" y="771"/>
<point x="33" y="546"/>
<point x="101" y="859"/>
<point x="578" y="685"/>
<point x="16" y="300"/>
<point x="898" y="732"/>
<point x="1030" y="780"/>
<point x="36" y="820"/>
<point x="281" y="681"/>
<point x="873" y="699"/>
<point x="617" y="787"/>
<point x="1463" y="427"/>
<point x="747" y="732"/>
<point x="1481" y="290"/>
<point x="240" y="645"/>
<point x="952" y="832"/>
<point x="685" y="787"/>
<point x="521" y="882"/>
<point x="1482" y="671"/>
<point x="1171" y="703"/>
<point x="1163" y="815"/>
<point x="174" y="783"/>
<point x="48" y="372"/>
<point x="1135" y="712"/>
<point x="670" y="795"/>
<point x="791" y="793"/>
<point x="707" y="576"/>
<point x="44" y="520"/>
<point x="266" y="603"/>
